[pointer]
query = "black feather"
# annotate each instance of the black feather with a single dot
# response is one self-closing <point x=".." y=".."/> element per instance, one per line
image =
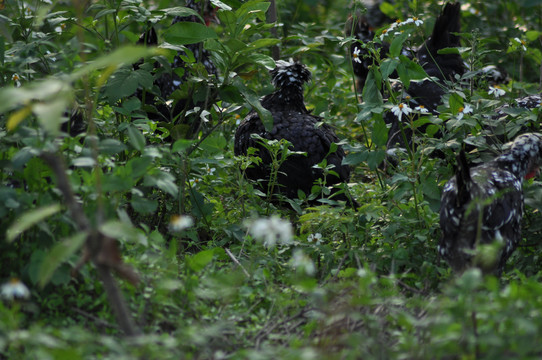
<point x="485" y="204"/>
<point x="292" y="121"/>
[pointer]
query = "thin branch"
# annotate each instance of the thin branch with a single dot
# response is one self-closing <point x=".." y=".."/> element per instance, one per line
<point x="237" y="262"/>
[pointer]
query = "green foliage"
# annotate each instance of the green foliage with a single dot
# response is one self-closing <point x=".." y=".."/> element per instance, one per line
<point x="364" y="283"/>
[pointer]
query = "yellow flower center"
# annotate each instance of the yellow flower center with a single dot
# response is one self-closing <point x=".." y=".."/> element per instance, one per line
<point x="401" y="106"/>
<point x="461" y="109"/>
<point x="15" y="77"/>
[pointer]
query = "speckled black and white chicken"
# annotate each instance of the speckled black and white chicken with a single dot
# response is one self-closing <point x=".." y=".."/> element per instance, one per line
<point x="484" y="204"/>
<point x="161" y="104"/>
<point x="306" y="132"/>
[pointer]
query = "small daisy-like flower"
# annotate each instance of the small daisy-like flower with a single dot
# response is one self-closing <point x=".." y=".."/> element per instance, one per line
<point x="421" y="109"/>
<point x="464" y="110"/>
<point x="14" y="289"/>
<point x="496" y="91"/>
<point x="355" y="54"/>
<point x="383" y="35"/>
<point x="317" y="238"/>
<point x="209" y="170"/>
<point x="302" y="262"/>
<point x="237" y="119"/>
<point x="399" y="110"/>
<point x="474" y="11"/>
<point x="522" y="43"/>
<point x="271" y="230"/>
<point x="417" y="21"/>
<point x="15" y="78"/>
<point x="180" y="222"/>
<point x="194" y="182"/>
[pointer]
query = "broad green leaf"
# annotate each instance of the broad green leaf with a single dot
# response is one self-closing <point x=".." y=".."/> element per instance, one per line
<point x="122" y="231"/>
<point x="388" y="66"/>
<point x="380" y="131"/>
<point x="263" y="60"/>
<point x="255" y="7"/>
<point x="397" y="44"/>
<point x="29" y="219"/>
<point x="253" y="100"/>
<point x="181" y="145"/>
<point x="58" y="254"/>
<point x="162" y="180"/>
<point x="139" y="166"/>
<point x="219" y="4"/>
<point x="125" y="81"/>
<point x="371" y="94"/>
<point x="260" y="43"/>
<point x="182" y="12"/>
<point x="136" y="138"/>
<point x="375" y="158"/>
<point x="200" y="260"/>
<point x="123" y="55"/>
<point x="455" y="102"/>
<point x="184" y="33"/>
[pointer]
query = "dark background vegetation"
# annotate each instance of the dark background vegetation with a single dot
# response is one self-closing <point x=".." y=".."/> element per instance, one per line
<point x="378" y="289"/>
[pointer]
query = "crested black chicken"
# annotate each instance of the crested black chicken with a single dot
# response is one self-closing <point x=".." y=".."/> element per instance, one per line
<point x="427" y="93"/>
<point x="306" y="132"/>
<point x="161" y="104"/>
<point x="484" y="204"/>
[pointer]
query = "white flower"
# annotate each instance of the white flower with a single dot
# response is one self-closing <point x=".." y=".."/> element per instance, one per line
<point x="209" y="170"/>
<point x="271" y="230"/>
<point x="194" y="182"/>
<point x="417" y="21"/>
<point x="496" y="91"/>
<point x="355" y="55"/>
<point x="317" y="238"/>
<point x="421" y="109"/>
<point x="302" y="262"/>
<point x="522" y="43"/>
<point x="464" y="110"/>
<point x="237" y="119"/>
<point x="14" y="289"/>
<point x="15" y="78"/>
<point x="180" y="222"/>
<point x="474" y="11"/>
<point x="399" y="110"/>
<point x="384" y="34"/>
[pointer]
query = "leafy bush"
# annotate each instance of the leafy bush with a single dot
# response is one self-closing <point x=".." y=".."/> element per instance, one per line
<point x="171" y="213"/>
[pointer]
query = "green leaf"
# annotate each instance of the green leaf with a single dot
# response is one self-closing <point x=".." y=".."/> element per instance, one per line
<point x="251" y="8"/>
<point x="375" y="158"/>
<point x="125" y="81"/>
<point x="260" y="43"/>
<point x="455" y="102"/>
<point x="388" y="66"/>
<point x="123" y="231"/>
<point x="182" y="11"/>
<point x="162" y="180"/>
<point x="200" y="260"/>
<point x="262" y="59"/>
<point x="253" y="100"/>
<point x="397" y="44"/>
<point x="29" y="219"/>
<point x="371" y="95"/>
<point x="380" y="131"/>
<point x="136" y="138"/>
<point x="123" y="55"/>
<point x="184" y="33"/>
<point x="58" y="254"/>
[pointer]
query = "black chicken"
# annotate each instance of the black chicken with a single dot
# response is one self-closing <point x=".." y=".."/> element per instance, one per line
<point x="484" y="204"/>
<point x="358" y="26"/>
<point x="160" y="103"/>
<point x="440" y="67"/>
<point x="293" y="122"/>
